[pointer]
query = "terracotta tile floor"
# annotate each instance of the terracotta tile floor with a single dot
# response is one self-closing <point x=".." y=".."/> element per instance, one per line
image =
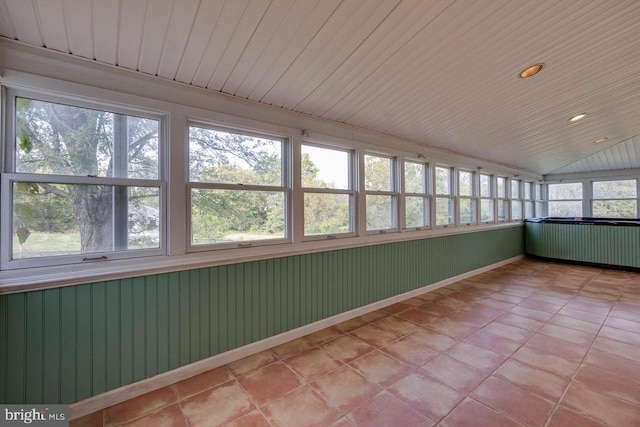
<point x="527" y="344"/>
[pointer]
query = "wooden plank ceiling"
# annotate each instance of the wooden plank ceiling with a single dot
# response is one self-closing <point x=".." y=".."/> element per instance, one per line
<point x="438" y="72"/>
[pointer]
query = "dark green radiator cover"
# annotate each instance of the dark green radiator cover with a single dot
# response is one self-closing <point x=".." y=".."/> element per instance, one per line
<point x="66" y="344"/>
<point x="597" y="244"/>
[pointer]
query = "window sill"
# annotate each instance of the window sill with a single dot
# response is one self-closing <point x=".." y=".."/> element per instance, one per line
<point x="14" y="281"/>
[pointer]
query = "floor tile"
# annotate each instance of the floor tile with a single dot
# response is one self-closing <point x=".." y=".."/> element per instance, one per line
<point x="252" y="363"/>
<point x="409" y="351"/>
<point x="418" y="316"/>
<point x="577" y="324"/>
<point x="522" y="405"/>
<point x="510" y="332"/>
<point x="627" y="325"/>
<point x="95" y="419"/>
<point x="312" y="363"/>
<point x="587" y="316"/>
<point x="375" y="336"/>
<point x="345" y="388"/>
<point x="202" y="382"/>
<point x="251" y="419"/>
<point x="269" y="383"/>
<point x="386" y="410"/>
<point x="374" y="316"/>
<point x="454" y="329"/>
<point x="615" y="364"/>
<point x="139" y="406"/>
<point x="291" y="348"/>
<point x="347" y="348"/>
<point x="493" y="342"/>
<point x="618" y="348"/>
<point x="217" y="406"/>
<point x="478" y="357"/>
<point x="432" y="339"/>
<point x="527" y="323"/>
<point x="538" y="305"/>
<point x="568" y="335"/>
<point x="351" y="325"/>
<point x="453" y="373"/>
<point x="302" y="407"/>
<point x="620" y="387"/>
<point x="426" y="395"/>
<point x="546" y="361"/>
<point x="169" y="416"/>
<point x="397" y="325"/>
<point x="564" y="349"/>
<point x="469" y="412"/>
<point x="564" y="417"/>
<point x="622" y="335"/>
<point x="535" y="380"/>
<point x="531" y="313"/>
<point x="380" y="368"/>
<point x="324" y="335"/>
<point x="600" y="407"/>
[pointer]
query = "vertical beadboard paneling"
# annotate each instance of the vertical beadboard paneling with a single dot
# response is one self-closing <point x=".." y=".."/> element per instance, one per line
<point x="67" y="344"/>
<point x="600" y="244"/>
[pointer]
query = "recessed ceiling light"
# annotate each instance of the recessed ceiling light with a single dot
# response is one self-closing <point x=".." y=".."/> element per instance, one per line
<point x="599" y="140"/>
<point x="578" y="117"/>
<point x="530" y="71"/>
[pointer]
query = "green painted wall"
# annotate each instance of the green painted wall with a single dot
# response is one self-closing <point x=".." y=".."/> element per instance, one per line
<point x="600" y="244"/>
<point x="66" y="344"/>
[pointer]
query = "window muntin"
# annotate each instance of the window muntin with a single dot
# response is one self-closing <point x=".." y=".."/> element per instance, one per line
<point x="445" y="202"/>
<point x="237" y="192"/>
<point x="565" y="199"/>
<point x="417" y="198"/>
<point x="467" y="201"/>
<point x="502" y="201"/>
<point x="328" y="198"/>
<point x="84" y="184"/>
<point x="615" y="199"/>
<point x="487" y="200"/>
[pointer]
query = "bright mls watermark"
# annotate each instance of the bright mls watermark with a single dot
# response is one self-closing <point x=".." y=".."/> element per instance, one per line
<point x="35" y="415"/>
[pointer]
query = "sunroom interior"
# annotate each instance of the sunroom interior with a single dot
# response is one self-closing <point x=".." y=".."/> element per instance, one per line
<point x="198" y="195"/>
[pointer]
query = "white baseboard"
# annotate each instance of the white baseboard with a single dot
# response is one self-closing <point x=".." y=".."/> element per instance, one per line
<point x="121" y="394"/>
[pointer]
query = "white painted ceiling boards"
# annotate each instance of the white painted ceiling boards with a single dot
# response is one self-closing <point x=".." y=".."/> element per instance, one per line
<point x="438" y="72"/>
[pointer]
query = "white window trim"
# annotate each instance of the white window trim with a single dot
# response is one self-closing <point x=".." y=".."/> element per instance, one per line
<point x="491" y="197"/>
<point x="393" y="193"/>
<point x="475" y="181"/>
<point x="427" y="195"/>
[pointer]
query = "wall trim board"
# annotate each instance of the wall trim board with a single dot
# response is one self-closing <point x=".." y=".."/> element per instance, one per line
<point x="121" y="394"/>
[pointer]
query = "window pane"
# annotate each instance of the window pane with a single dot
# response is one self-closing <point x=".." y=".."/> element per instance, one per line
<point x="615" y="208"/>
<point x="528" y="210"/>
<point x="232" y="158"/>
<point x="378" y="173"/>
<point x="466" y="183"/>
<point x="516" y="209"/>
<point x="565" y="208"/>
<point x="326" y="213"/>
<point x="538" y="188"/>
<point x="325" y="168"/>
<point x="501" y="186"/>
<point x="467" y="211"/>
<point x="415" y="177"/>
<point x="615" y="189"/>
<point x="565" y="191"/>
<point x="485" y="185"/>
<point x="539" y="209"/>
<point x="515" y="188"/>
<point x="219" y="216"/>
<point x="417" y="211"/>
<point x="380" y="212"/>
<point x="528" y="190"/>
<point x="66" y="140"/>
<point x="503" y="210"/>
<point x="65" y="219"/>
<point x="444" y="211"/>
<point x="443" y="180"/>
<point x="486" y="210"/>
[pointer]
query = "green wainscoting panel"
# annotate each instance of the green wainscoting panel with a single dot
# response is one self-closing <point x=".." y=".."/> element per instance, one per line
<point x="66" y="344"/>
<point x="598" y="244"/>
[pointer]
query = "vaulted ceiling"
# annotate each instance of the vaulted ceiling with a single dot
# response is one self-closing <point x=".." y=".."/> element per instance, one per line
<point x="441" y="73"/>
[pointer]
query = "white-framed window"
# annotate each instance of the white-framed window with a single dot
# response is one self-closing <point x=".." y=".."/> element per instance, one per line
<point x="467" y="200"/>
<point x="529" y="199"/>
<point x="487" y="198"/>
<point x="539" y="200"/>
<point x="502" y="200"/>
<point x="85" y="182"/>
<point x="238" y="189"/>
<point x="417" y="198"/>
<point x="565" y="199"/>
<point x="615" y="199"/>
<point x="381" y="195"/>
<point x="327" y="185"/>
<point x="445" y="196"/>
<point x="516" y="200"/>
